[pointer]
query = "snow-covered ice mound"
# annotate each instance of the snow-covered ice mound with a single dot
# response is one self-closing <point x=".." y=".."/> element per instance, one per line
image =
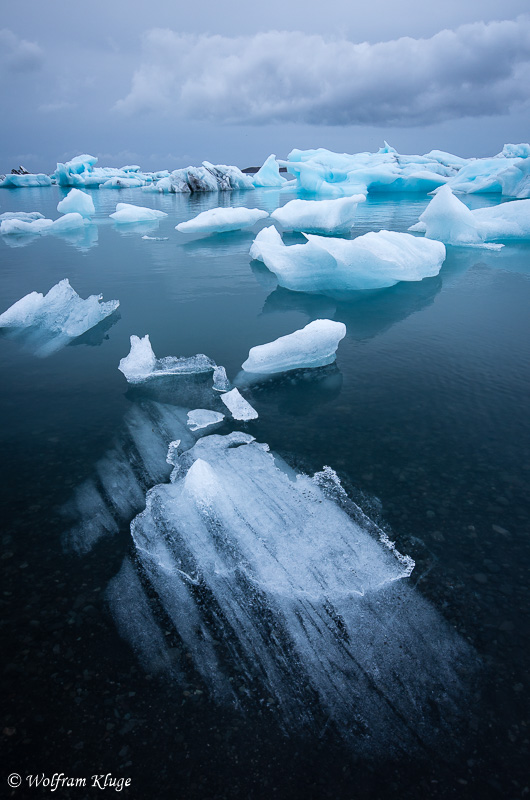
<point x="449" y="220"/>
<point x="78" y="201"/>
<point x="329" y="265"/>
<point x="21" y="227"/>
<point x="319" y="216"/>
<point x="126" y="212"/>
<point x="238" y="406"/>
<point x="312" y="346"/>
<point x="141" y="364"/>
<point x="48" y="322"/>
<point x="277" y="586"/>
<point x="219" y="220"/>
<point x="200" y="418"/>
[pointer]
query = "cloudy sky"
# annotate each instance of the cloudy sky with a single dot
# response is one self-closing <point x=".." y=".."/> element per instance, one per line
<point x="167" y="84"/>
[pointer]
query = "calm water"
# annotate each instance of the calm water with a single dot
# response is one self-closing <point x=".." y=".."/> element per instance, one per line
<point x="425" y="420"/>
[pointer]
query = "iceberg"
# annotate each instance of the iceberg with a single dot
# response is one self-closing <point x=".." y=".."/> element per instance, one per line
<point x="207" y="178"/>
<point x="448" y="220"/>
<point x="312" y="346"/>
<point x="77" y="201"/>
<point x="121" y="182"/>
<point x="276" y="585"/>
<point x="49" y="322"/>
<point x="126" y="213"/>
<point x="17" y="226"/>
<point x="238" y="406"/>
<point x="333" y="265"/>
<point x="14" y="181"/>
<point x="269" y="174"/>
<point x="203" y="418"/>
<point x="219" y="220"/>
<point x="319" y="216"/>
<point x="141" y="364"/>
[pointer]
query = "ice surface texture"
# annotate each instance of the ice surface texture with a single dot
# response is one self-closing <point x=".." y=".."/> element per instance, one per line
<point x="447" y="219"/>
<point x="141" y="364"/>
<point x="312" y="346"/>
<point x="218" y="220"/>
<point x="238" y="406"/>
<point x="78" y="201"/>
<point x="279" y="580"/>
<point x="327" y="264"/>
<point x="319" y="216"/>
<point x="125" y="213"/>
<point x="49" y="322"/>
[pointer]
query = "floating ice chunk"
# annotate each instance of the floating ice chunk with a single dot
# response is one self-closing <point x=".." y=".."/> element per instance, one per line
<point x="219" y="220"/>
<point x="156" y="238"/>
<point x="319" y="216"/>
<point x="238" y="406"/>
<point x="125" y="213"/>
<point x="119" y="182"/>
<point x="447" y="219"/>
<point x="69" y="222"/>
<point x="141" y="364"/>
<point x="23" y="216"/>
<point x="51" y="321"/>
<point x="18" y="227"/>
<point x="21" y="181"/>
<point x="312" y="346"/>
<point x="220" y="380"/>
<point x="78" y="201"/>
<point x="269" y="174"/>
<point x="327" y="264"/>
<point x="203" y="418"/>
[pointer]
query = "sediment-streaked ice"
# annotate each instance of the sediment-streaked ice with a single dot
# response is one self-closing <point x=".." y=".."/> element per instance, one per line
<point x="78" y="201"/>
<point x="319" y="216"/>
<point x="125" y="213"/>
<point x="141" y="364"/>
<point x="200" y="418"/>
<point x="238" y="406"/>
<point x="449" y="220"/>
<point x="312" y="346"/>
<point x="219" y="220"/>
<point x="45" y="323"/>
<point x="279" y="590"/>
<point x="328" y="264"/>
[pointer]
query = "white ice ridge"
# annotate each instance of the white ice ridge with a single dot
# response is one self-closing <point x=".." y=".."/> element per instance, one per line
<point x="78" y="201"/>
<point x="327" y="264"/>
<point x="126" y="212"/>
<point x="219" y="220"/>
<point x="269" y="174"/>
<point x="312" y="346"/>
<point x="200" y="418"/>
<point x="51" y="321"/>
<point x="278" y="583"/>
<point x="447" y="219"/>
<point x="319" y="216"/>
<point x="238" y="406"/>
<point x="141" y="364"/>
<point x="19" y="226"/>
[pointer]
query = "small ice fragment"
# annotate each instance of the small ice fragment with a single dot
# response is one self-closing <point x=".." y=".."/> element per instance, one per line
<point x="125" y="213"/>
<point x="312" y="346"/>
<point x="220" y="380"/>
<point x="238" y="406"/>
<point x="79" y="201"/>
<point x="203" y="418"/>
<point x="173" y="452"/>
<point x="142" y="364"/>
<point x="319" y="216"/>
<point x="156" y="238"/>
<point x="219" y="220"/>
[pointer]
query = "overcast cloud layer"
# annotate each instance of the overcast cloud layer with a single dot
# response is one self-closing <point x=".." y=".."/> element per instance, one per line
<point x="478" y="69"/>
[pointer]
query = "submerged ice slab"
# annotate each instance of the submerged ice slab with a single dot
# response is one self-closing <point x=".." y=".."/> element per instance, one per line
<point x="449" y="220"/>
<point x="49" y="322"/>
<point x="319" y="216"/>
<point x="327" y="265"/>
<point x="312" y="346"/>
<point x="200" y="418"/>
<point x="280" y="581"/>
<point x="219" y="220"/>
<point x="141" y="364"/>
<point x="125" y="213"/>
<point x="78" y="201"/>
<point x="238" y="406"/>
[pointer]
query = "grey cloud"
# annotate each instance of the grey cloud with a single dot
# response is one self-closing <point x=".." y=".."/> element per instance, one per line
<point x="18" y="55"/>
<point x="477" y="69"/>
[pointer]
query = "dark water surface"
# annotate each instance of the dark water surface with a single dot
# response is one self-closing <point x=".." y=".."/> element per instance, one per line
<point x="425" y="419"/>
